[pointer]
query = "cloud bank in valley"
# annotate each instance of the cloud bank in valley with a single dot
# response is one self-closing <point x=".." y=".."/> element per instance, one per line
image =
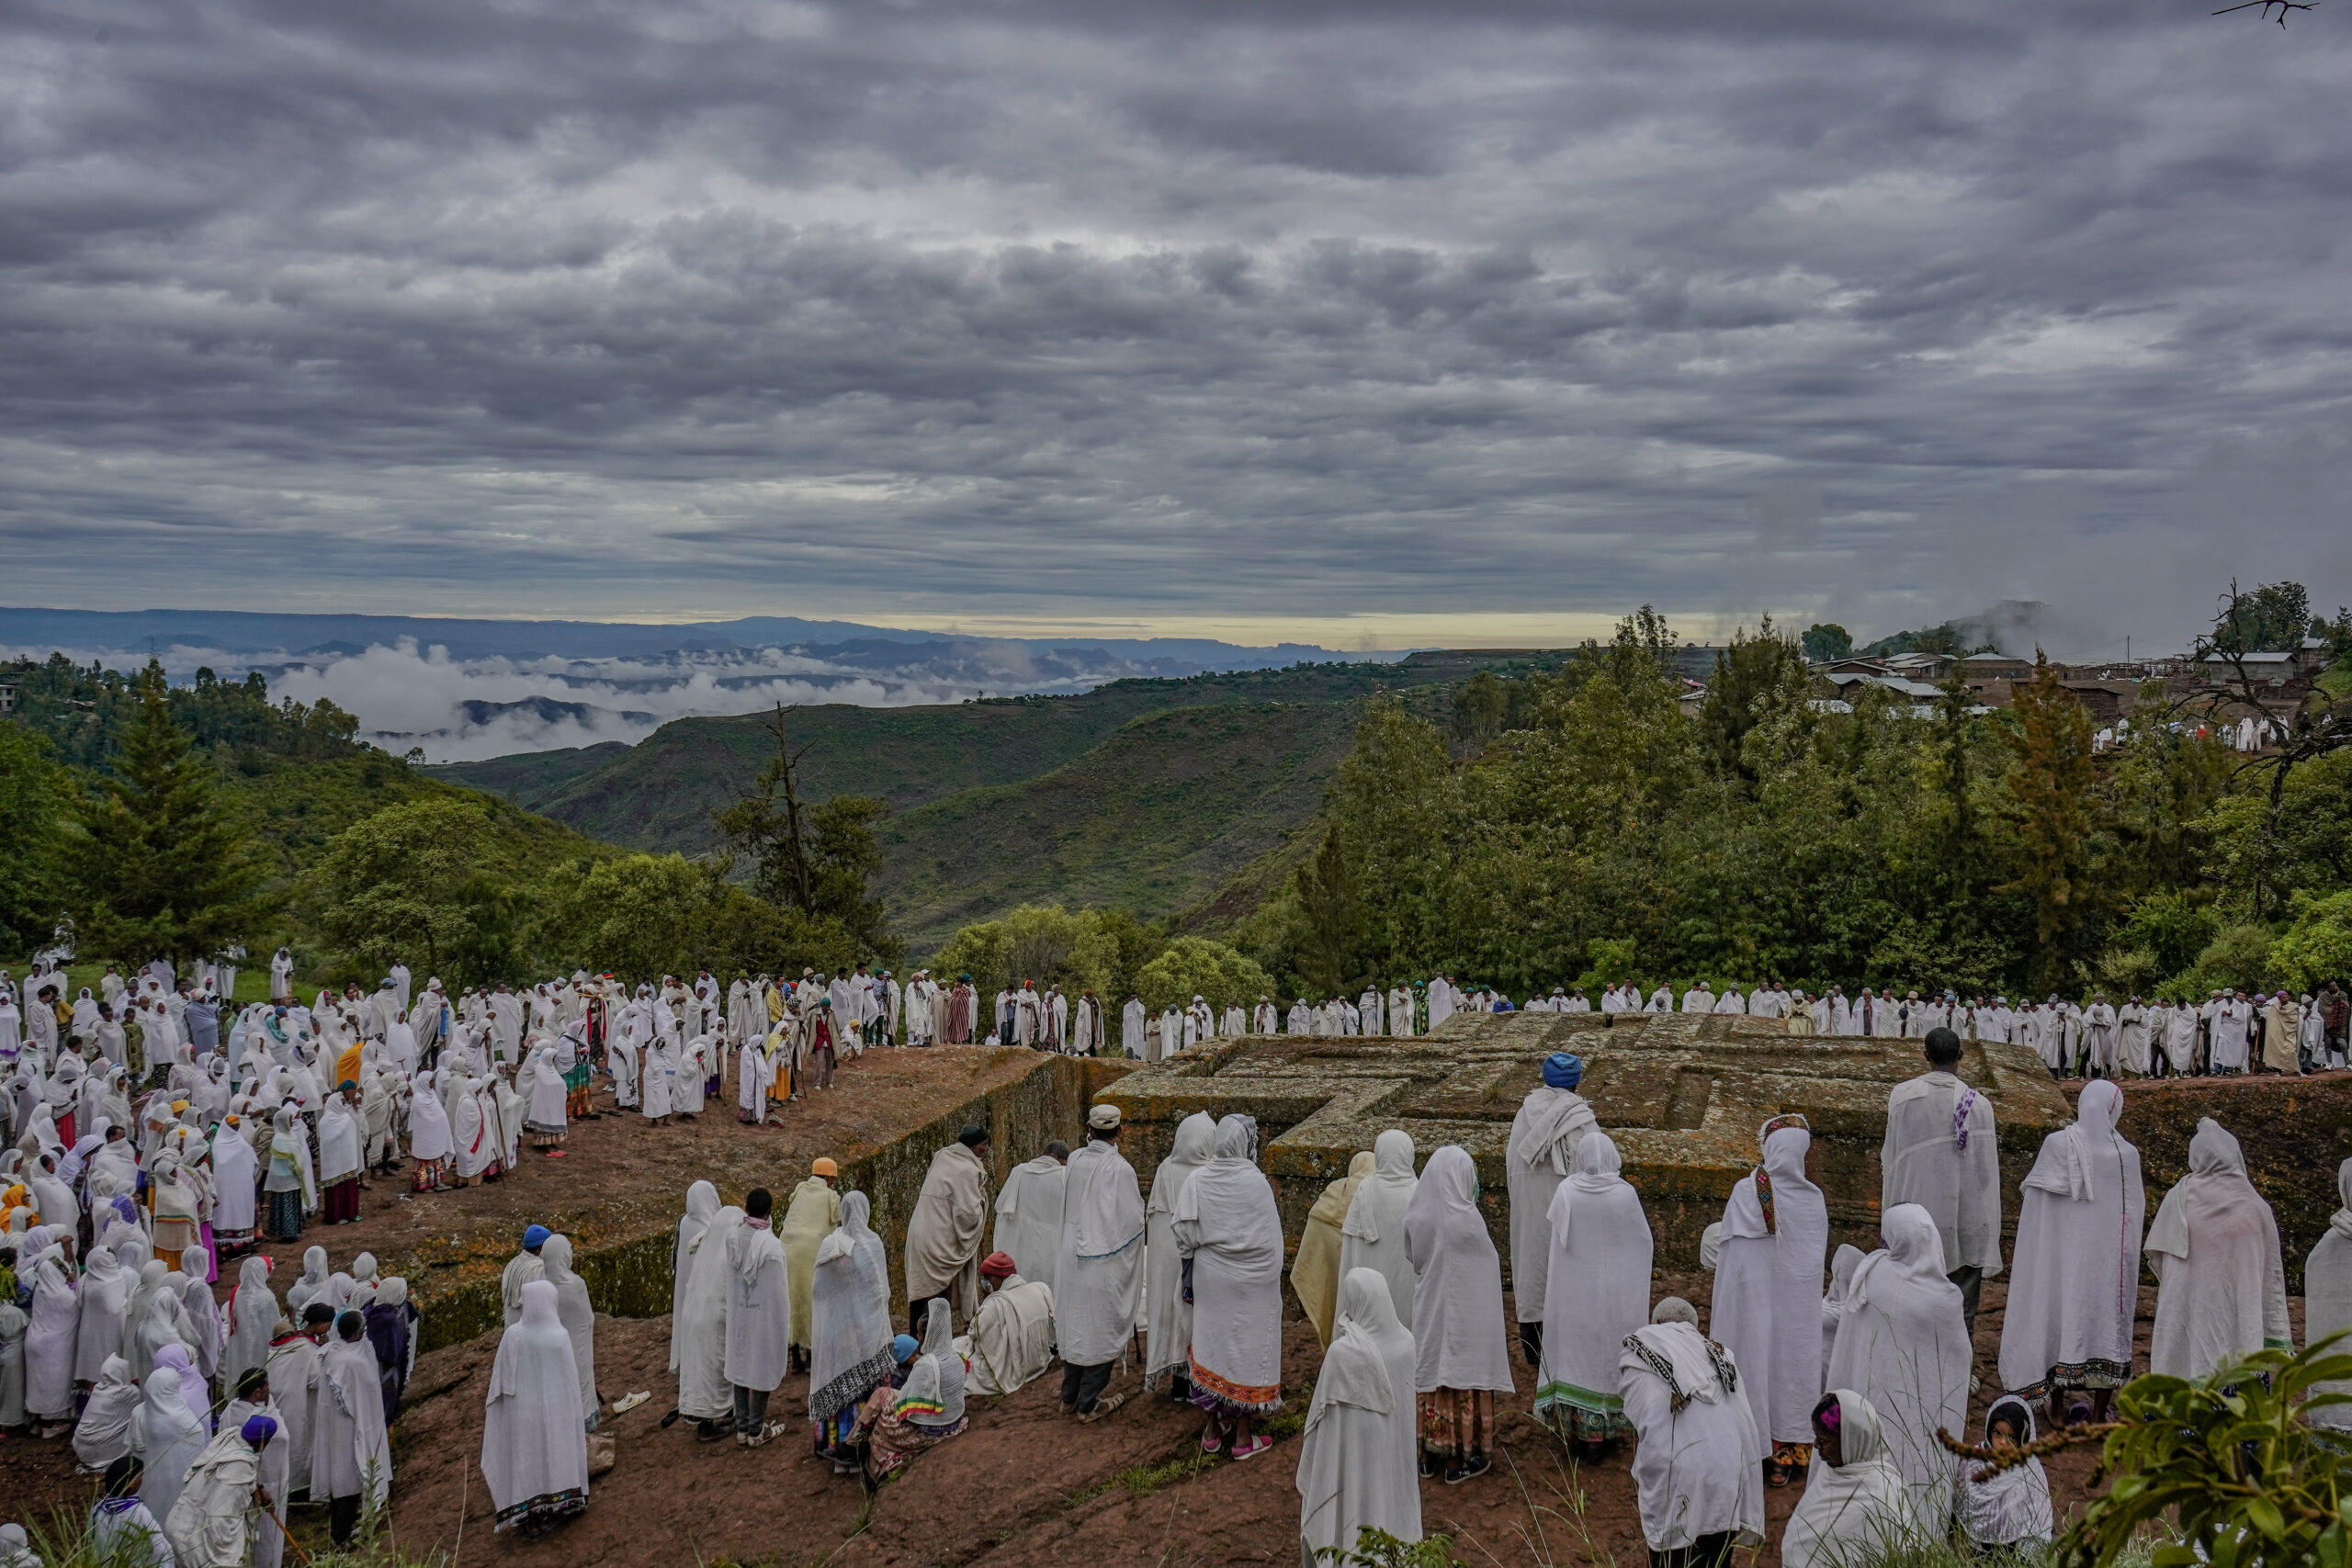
<point x="1041" y="310"/>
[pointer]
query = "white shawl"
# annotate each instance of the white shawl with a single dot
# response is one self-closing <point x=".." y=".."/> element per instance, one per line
<point x="1458" y="1333"/>
<point x="2221" y="1285"/>
<point x="1543" y="1138"/>
<point x="1767" y="1309"/>
<point x="1599" y="1285"/>
<point x="1356" y="1459"/>
<point x="849" y="1334"/>
<point x="535" y="1438"/>
<point x="1697" y="1466"/>
<point x="1854" y="1513"/>
<point x="1168" y="1315"/>
<point x="1373" y="1236"/>
<point x="2075" y="1283"/>
<point x="1226" y="1222"/>
<point x="1101" y="1248"/>
<point x="2327" y="1295"/>
<point x="1903" y="1345"/>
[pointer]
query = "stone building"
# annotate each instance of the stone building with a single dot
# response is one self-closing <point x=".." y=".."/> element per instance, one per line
<point x="1681" y="1094"/>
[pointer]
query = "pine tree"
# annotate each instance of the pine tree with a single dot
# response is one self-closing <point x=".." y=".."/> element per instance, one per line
<point x="2050" y="782"/>
<point x="161" y="869"/>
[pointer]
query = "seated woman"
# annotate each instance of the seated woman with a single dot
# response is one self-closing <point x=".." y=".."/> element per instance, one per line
<point x="925" y="1410"/>
<point x="2008" y="1511"/>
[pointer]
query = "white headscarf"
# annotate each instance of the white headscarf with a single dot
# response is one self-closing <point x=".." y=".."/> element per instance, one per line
<point x="1458" y="1306"/>
<point x="2009" y="1506"/>
<point x="2222" y="1289"/>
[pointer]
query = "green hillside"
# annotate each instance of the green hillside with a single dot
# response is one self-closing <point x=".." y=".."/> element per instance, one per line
<point x="1154" y="821"/>
<point x="658" y="794"/>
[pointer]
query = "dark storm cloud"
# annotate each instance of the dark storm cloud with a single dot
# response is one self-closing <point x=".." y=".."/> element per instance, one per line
<point x="1057" y="308"/>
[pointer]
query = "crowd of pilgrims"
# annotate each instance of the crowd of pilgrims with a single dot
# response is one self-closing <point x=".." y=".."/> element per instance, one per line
<point x="156" y="1132"/>
<point x="1835" y="1372"/>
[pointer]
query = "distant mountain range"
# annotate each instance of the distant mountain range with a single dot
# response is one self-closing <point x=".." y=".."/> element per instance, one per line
<point x="460" y="690"/>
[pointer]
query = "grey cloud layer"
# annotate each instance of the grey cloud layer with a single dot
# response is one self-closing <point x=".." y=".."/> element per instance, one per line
<point x="1048" y="308"/>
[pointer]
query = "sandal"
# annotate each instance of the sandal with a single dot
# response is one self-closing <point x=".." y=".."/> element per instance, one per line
<point x="1776" y="1474"/>
<point x="1253" y="1448"/>
<point x="1103" y="1406"/>
<point x="1211" y="1443"/>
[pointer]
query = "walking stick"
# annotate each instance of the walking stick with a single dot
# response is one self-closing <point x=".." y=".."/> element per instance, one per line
<point x="288" y="1534"/>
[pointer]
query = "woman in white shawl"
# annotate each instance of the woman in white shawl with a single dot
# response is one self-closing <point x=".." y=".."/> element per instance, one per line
<point x="2327" y="1295"/>
<point x="291" y="1189"/>
<point x="698" y="1333"/>
<point x="1227" y="1229"/>
<point x="49" y="1337"/>
<point x="578" y="1315"/>
<point x="103" y="1434"/>
<point x="251" y="1320"/>
<point x="2220" y="1286"/>
<point x="691" y="1081"/>
<point x="535" y="1434"/>
<point x="314" y="1280"/>
<point x="1372" y="1236"/>
<point x="166" y="1437"/>
<point x="1768" y="1293"/>
<point x="235" y="1181"/>
<point x="1597" y="1293"/>
<point x="2075" y="1279"/>
<point x="473" y="1123"/>
<point x="1458" y="1336"/>
<point x="1355" y="1461"/>
<point x="430" y="1141"/>
<point x="701" y="1204"/>
<point x="1856" y="1510"/>
<point x="203" y="1312"/>
<point x="924" y="1412"/>
<point x="1903" y="1347"/>
<point x="1697" y="1464"/>
<point x="1168" y="1315"/>
<point x="105" y="1301"/>
<point x="849" y="1354"/>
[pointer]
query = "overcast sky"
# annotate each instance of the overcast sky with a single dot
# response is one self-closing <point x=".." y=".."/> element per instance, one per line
<point x="1364" y="323"/>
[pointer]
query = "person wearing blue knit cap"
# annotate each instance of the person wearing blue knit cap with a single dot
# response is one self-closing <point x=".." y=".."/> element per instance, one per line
<point x="1543" y="1138"/>
<point x="521" y="1269"/>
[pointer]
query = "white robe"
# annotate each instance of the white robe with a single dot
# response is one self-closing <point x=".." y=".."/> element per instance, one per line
<point x="1598" y="1292"/>
<point x="1357" y="1456"/>
<point x="1544" y="1137"/>
<point x="1921" y="1161"/>
<point x="698" y="1346"/>
<point x="1698" y="1465"/>
<point x="535" y="1439"/>
<point x="1029" y="1217"/>
<point x="1372" y="1234"/>
<point x="1458" y="1332"/>
<point x="2328" y="1295"/>
<point x="1767" y="1308"/>
<point x="2075" y="1283"/>
<point x="2221" y="1285"/>
<point x="1226" y="1223"/>
<point x="1850" y="1514"/>
<point x="1903" y="1345"/>
<point x="1167" y="1316"/>
<point x="1099" y="1270"/>
<point x="759" y="1307"/>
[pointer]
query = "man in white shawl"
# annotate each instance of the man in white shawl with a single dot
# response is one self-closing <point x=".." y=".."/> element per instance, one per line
<point x="534" y="1436"/>
<point x="1767" y="1309"/>
<point x="1544" y="1136"/>
<point x="1011" y="1341"/>
<point x="1355" y="1458"/>
<point x="209" y="1525"/>
<point x="1902" y="1345"/>
<point x="1599" y="1293"/>
<point x="351" y="1454"/>
<point x="1029" y="1213"/>
<point x="1461" y="1358"/>
<point x="1698" y="1463"/>
<point x="1941" y="1152"/>
<point x="1100" y="1249"/>
<point x="2075" y="1284"/>
<point x="1228" y="1228"/>
<point x="1372" y="1234"/>
<point x="1856" y="1511"/>
<point x="2327" y="1295"/>
<point x="759" y="1319"/>
<point x="943" y="1233"/>
<point x="2221" y="1285"/>
<point x="1131" y="1028"/>
<point x="1168" y="1314"/>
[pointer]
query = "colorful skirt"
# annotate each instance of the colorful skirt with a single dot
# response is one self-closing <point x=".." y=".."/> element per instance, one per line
<point x="544" y="1509"/>
<point x="1457" y="1422"/>
<point x="427" y="1175"/>
<point x="284" y="1222"/>
<point x="1221" y="1396"/>
<point x="892" y="1439"/>
<point x="1581" y="1414"/>
<point x="341" y="1200"/>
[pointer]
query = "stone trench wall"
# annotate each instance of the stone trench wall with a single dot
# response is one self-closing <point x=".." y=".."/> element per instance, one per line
<point x="632" y="1278"/>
